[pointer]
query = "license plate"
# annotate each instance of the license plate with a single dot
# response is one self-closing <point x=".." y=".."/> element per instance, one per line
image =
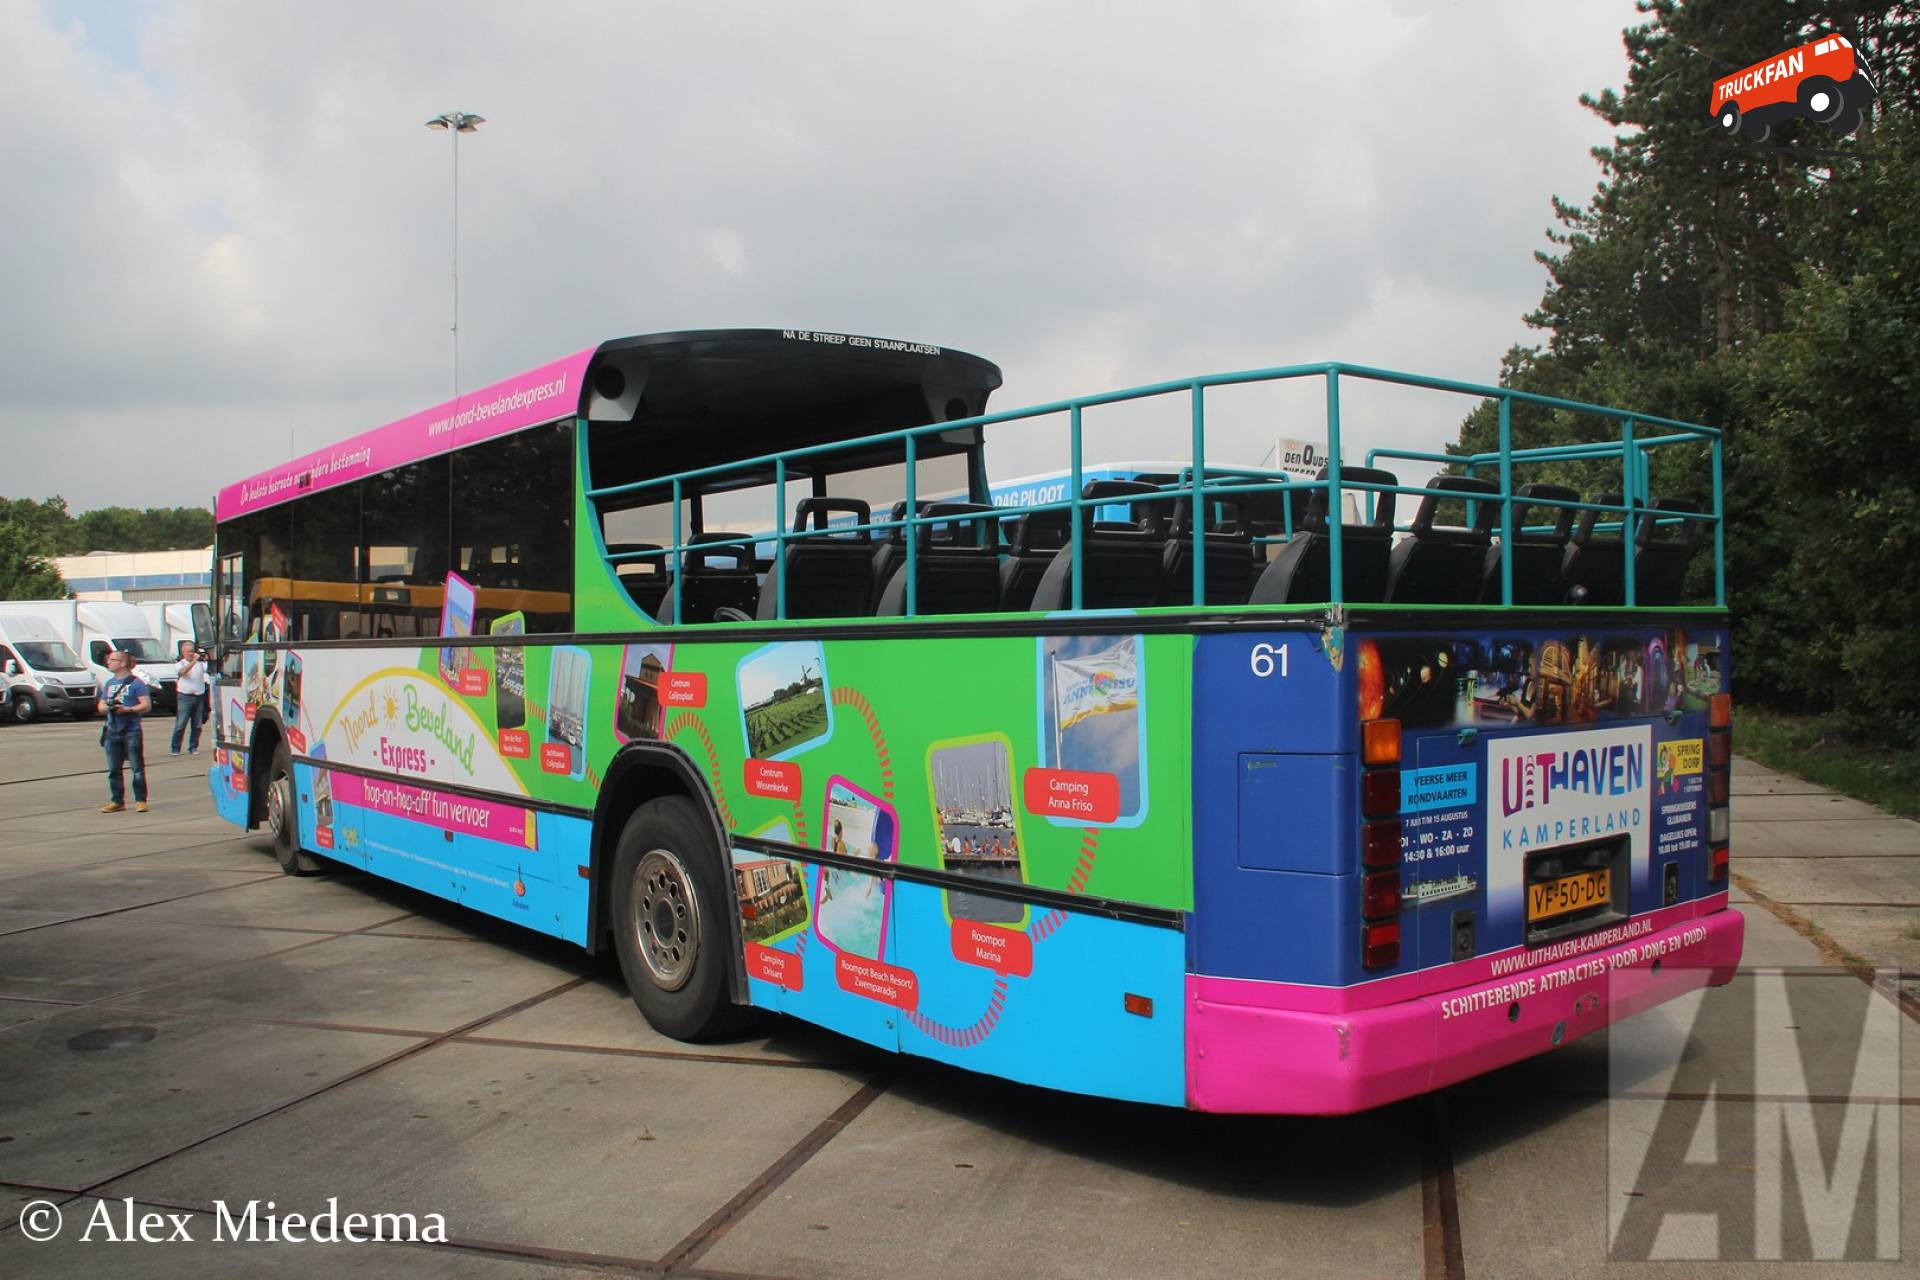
<point x="1566" y="894"/>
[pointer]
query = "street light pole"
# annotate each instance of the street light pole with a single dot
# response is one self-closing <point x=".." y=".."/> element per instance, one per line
<point x="456" y="123"/>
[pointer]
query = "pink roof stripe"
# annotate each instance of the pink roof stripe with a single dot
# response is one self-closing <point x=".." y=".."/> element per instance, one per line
<point x="524" y="400"/>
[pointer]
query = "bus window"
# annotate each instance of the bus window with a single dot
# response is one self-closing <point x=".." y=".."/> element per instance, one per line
<point x="404" y="525"/>
<point x="325" y="565"/>
<point x="505" y="543"/>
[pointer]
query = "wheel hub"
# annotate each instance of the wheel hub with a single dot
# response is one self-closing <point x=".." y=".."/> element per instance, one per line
<point x="666" y="919"/>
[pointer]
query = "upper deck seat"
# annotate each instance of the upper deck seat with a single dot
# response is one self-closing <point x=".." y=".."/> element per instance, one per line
<point x="646" y="581"/>
<point x="1120" y="561"/>
<point x="1036" y="538"/>
<point x="1536" y="556"/>
<point x="1662" y="552"/>
<point x="1441" y="564"/>
<point x="958" y="564"/>
<point x="1301" y="572"/>
<point x="1230" y="562"/>
<point x="828" y="572"/>
<point x="1592" y="572"/>
<point x="712" y="579"/>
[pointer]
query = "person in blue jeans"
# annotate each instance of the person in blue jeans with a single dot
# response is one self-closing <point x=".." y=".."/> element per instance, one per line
<point x="124" y="699"/>
<point x="191" y="699"/>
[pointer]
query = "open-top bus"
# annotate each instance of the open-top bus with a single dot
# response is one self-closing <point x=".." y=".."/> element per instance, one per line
<point x="1166" y="789"/>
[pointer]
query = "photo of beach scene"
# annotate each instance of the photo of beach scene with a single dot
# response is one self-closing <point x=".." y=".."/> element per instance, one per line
<point x="770" y="893"/>
<point x="1092" y="709"/>
<point x="851" y="910"/>
<point x="972" y="783"/>
<point x="783" y="698"/>
<point x="636" y="704"/>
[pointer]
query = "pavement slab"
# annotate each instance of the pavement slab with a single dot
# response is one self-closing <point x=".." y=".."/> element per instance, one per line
<point x="92" y="1091"/>
<point x="1802" y="881"/>
<point x="1817" y="838"/>
<point x="95" y="959"/>
<point x="622" y="1156"/>
<point x="369" y="981"/>
<point x="950" y="1175"/>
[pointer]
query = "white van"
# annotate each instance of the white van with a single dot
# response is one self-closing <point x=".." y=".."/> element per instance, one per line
<point x="42" y="672"/>
<point x="92" y="628"/>
<point x="175" y="620"/>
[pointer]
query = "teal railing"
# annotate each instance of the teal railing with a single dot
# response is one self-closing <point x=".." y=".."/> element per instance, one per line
<point x="1198" y="483"/>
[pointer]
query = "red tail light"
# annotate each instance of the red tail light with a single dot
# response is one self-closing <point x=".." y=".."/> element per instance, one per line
<point x="1380" y="844"/>
<point x="1380" y="945"/>
<point x="1720" y="710"/>
<point x="1380" y="895"/>
<point x="1720" y="748"/>
<point x="1718" y="789"/>
<point x="1718" y="863"/>
<point x="1380" y="793"/>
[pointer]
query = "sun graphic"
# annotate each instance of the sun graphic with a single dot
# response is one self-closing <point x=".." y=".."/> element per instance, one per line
<point x="393" y="708"/>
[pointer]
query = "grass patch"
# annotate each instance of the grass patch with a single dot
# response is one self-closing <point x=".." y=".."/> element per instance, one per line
<point x="1818" y="749"/>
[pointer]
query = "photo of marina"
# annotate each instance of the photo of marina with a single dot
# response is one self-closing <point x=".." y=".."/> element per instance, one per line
<point x="972" y="786"/>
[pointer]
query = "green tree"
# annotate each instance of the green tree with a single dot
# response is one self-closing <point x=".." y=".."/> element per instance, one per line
<point x="1757" y="287"/>
<point x="24" y="572"/>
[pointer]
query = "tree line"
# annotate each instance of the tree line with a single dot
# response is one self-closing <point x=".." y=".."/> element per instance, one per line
<point x="33" y="531"/>
<point x="1771" y="289"/>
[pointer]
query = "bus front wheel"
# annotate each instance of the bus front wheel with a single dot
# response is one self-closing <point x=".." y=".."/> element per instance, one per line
<point x="1728" y="121"/>
<point x="283" y="816"/>
<point x="673" y="940"/>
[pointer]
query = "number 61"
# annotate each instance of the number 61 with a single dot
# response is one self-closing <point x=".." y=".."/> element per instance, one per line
<point x="1262" y="660"/>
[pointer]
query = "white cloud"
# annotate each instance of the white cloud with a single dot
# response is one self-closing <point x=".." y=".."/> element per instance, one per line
<point x="229" y="226"/>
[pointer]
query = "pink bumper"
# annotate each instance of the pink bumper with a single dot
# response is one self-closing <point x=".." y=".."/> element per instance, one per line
<point x="1253" y="1047"/>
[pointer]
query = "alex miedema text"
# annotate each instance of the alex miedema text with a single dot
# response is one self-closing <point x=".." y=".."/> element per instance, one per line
<point x="257" y="1222"/>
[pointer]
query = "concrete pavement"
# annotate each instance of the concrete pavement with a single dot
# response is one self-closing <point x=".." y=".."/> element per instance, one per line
<point x="180" y="1025"/>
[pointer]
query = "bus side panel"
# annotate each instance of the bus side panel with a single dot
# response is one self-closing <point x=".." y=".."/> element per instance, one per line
<point x="1098" y="1009"/>
<point x="1274" y="788"/>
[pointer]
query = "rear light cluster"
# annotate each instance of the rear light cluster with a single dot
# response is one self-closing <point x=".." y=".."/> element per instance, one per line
<point x="1380" y="844"/>
<point x="1719" y="786"/>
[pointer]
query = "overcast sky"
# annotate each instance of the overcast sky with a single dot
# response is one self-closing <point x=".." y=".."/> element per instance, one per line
<point x="226" y="236"/>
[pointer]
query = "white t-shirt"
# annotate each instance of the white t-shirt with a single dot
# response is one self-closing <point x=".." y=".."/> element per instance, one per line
<point x="193" y="677"/>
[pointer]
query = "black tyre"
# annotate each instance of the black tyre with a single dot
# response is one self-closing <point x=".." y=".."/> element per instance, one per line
<point x="25" y="709"/>
<point x="1757" y="130"/>
<point x="1822" y="100"/>
<point x="1728" y="121"/>
<point x="283" y="816"/>
<point x="671" y="922"/>
<point x="1848" y="120"/>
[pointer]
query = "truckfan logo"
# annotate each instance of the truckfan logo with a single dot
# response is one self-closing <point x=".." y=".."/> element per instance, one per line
<point x="1825" y="81"/>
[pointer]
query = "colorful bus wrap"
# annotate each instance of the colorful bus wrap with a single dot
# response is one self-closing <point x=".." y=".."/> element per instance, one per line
<point x="1295" y="856"/>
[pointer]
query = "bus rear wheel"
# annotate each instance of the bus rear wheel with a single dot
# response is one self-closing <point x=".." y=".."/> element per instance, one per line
<point x="283" y="816"/>
<point x="1822" y="100"/>
<point x="1728" y="121"/>
<point x="668" y="927"/>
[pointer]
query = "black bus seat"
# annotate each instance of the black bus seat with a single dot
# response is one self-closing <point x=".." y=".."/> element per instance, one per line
<point x="1536" y="556"/>
<point x="1441" y="564"/>
<point x="1301" y="572"/>
<point x="1662" y="552"/>
<point x="1230" y="563"/>
<point x="828" y="572"/>
<point x="646" y="581"/>
<point x="712" y="579"/>
<point x="958" y="564"/>
<point x="1120" y="567"/>
<point x="1034" y="539"/>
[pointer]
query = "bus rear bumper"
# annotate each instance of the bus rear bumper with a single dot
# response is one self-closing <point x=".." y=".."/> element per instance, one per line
<point x="1252" y="1049"/>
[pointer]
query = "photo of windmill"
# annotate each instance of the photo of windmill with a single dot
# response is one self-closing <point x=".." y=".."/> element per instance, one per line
<point x="783" y="697"/>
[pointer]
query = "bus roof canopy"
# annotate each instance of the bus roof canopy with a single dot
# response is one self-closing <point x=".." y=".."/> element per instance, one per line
<point x="727" y="393"/>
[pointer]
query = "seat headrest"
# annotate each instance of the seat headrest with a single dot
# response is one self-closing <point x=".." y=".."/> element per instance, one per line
<point x="812" y="513"/>
<point x="1545" y="495"/>
<point x="1468" y="486"/>
<point x="1039" y="531"/>
<point x="1316" y="516"/>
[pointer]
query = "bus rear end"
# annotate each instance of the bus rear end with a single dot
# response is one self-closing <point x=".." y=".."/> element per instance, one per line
<point x="1423" y="855"/>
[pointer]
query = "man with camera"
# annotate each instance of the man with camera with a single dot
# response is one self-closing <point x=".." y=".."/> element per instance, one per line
<point x="190" y="698"/>
<point x="124" y="699"/>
